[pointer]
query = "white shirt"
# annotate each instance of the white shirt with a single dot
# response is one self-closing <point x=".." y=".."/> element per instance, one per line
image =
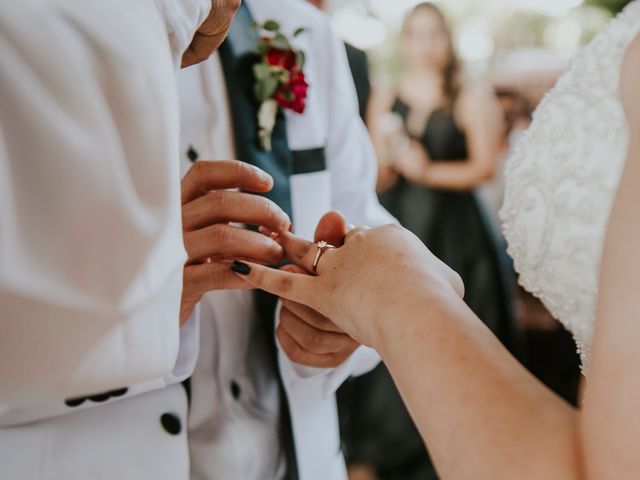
<point x="236" y="436"/>
<point x="91" y="247"/>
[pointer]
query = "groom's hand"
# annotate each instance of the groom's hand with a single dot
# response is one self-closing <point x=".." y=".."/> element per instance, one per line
<point x="208" y="209"/>
<point x="306" y="336"/>
<point x="212" y="32"/>
<point x="309" y="338"/>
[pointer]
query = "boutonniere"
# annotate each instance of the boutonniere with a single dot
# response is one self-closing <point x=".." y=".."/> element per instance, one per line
<point x="279" y="78"/>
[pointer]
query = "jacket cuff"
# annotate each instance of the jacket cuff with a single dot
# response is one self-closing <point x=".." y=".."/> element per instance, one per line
<point x="363" y="360"/>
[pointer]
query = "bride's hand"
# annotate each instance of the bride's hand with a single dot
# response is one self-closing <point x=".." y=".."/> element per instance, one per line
<point x="363" y="283"/>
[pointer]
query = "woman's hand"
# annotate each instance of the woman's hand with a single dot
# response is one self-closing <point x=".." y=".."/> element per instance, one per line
<point x="365" y="282"/>
<point x="306" y="336"/>
<point x="413" y="163"/>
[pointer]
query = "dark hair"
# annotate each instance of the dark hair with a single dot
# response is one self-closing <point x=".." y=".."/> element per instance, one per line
<point x="451" y="70"/>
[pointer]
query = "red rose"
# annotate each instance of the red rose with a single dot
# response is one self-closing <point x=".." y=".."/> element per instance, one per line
<point x="299" y="87"/>
<point x="281" y="58"/>
<point x="293" y="95"/>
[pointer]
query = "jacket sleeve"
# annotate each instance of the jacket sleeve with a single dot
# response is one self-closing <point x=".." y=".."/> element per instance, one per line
<point x="182" y="18"/>
<point x="91" y="251"/>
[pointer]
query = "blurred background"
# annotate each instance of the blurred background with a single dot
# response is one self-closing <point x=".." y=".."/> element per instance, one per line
<point x="491" y="36"/>
<point x="446" y="89"/>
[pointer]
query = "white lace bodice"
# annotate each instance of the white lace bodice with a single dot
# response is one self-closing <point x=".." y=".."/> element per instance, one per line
<point x="562" y="178"/>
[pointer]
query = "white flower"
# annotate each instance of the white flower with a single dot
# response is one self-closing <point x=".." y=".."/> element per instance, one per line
<point x="266" y="122"/>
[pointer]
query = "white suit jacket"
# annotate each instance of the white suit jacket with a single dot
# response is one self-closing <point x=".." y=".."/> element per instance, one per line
<point x="234" y="413"/>
<point x="91" y="247"/>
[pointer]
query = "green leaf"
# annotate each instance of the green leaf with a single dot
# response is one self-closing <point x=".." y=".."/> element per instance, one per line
<point x="265" y="88"/>
<point x="289" y="96"/>
<point x="298" y="31"/>
<point x="261" y="71"/>
<point x="301" y="59"/>
<point x="271" y="26"/>
<point x="281" y="74"/>
<point x="280" y="42"/>
<point x="261" y="48"/>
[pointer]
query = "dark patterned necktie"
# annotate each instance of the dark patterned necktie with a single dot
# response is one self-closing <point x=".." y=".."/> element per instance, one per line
<point x="238" y="59"/>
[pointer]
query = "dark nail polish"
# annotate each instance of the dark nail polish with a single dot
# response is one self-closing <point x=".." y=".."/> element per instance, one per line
<point x="241" y="268"/>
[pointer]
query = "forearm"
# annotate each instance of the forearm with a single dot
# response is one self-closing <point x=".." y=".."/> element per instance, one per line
<point x="387" y="178"/>
<point x="462" y="175"/>
<point x="481" y="413"/>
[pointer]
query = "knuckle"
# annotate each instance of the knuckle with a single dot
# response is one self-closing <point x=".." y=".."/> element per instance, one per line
<point x="216" y="278"/>
<point x="239" y="170"/>
<point x="317" y="342"/>
<point x="295" y="353"/>
<point x="197" y="174"/>
<point x="188" y="277"/>
<point x="274" y="252"/>
<point x="220" y="234"/>
<point x="258" y="276"/>
<point x="358" y="236"/>
<point x="216" y="199"/>
<point x="285" y="284"/>
<point x="215" y="196"/>
<point x="269" y="210"/>
<point x="304" y="249"/>
<point x="324" y="323"/>
<point x="286" y="318"/>
<point x="197" y="169"/>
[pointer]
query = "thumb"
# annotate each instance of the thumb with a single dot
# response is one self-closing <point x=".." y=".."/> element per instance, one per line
<point x="331" y="228"/>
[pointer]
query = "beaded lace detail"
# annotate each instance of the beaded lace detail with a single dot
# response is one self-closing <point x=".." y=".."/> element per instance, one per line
<point x="562" y="178"/>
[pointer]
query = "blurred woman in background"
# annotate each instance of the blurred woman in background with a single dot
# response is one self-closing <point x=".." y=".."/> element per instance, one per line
<point x="437" y="140"/>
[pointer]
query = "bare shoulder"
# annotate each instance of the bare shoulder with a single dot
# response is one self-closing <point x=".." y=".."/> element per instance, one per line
<point x="630" y="82"/>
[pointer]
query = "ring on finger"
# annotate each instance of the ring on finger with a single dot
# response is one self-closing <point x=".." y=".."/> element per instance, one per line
<point x="322" y="247"/>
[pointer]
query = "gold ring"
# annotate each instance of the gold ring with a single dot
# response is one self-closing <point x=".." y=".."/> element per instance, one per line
<point x="322" y="247"/>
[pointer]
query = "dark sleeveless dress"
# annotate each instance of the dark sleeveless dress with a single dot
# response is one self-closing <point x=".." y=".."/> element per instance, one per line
<point x="377" y="429"/>
<point x="452" y="224"/>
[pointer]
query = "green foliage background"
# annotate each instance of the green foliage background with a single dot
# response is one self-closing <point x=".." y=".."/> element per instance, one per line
<point x="613" y="6"/>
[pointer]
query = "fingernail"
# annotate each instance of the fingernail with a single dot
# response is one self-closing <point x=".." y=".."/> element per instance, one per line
<point x="241" y="268"/>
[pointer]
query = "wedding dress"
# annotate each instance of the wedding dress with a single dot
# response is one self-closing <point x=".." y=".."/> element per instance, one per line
<point x="562" y="179"/>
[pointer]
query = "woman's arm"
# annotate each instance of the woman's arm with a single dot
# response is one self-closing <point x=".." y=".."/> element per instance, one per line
<point x="379" y="106"/>
<point x="612" y="397"/>
<point x="481" y="413"/>
<point x="482" y="120"/>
